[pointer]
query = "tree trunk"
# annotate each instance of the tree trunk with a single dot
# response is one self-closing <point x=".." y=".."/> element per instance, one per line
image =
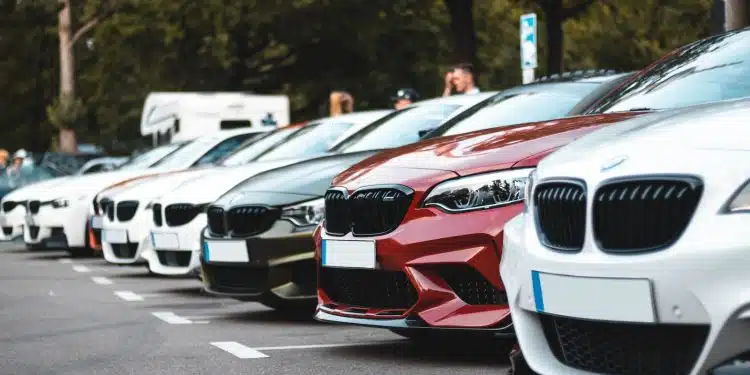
<point x="462" y="27"/>
<point x="736" y="14"/>
<point x="553" y="11"/>
<point x="67" y="138"/>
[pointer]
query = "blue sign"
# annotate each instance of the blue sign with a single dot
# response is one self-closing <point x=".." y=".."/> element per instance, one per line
<point x="528" y="41"/>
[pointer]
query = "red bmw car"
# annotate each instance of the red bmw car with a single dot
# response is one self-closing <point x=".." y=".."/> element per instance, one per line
<point x="412" y="236"/>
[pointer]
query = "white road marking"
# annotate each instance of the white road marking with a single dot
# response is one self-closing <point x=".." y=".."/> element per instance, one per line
<point x="128" y="296"/>
<point x="171" y="317"/>
<point x="101" y="280"/>
<point x="65" y="260"/>
<point x="321" y="346"/>
<point x="238" y="350"/>
<point x="81" y="269"/>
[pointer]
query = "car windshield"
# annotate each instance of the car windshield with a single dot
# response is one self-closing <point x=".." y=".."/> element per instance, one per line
<point x="398" y="128"/>
<point x="520" y="107"/>
<point x="27" y="174"/>
<point x="709" y="70"/>
<point x="151" y="157"/>
<point x="246" y="154"/>
<point x="309" y="141"/>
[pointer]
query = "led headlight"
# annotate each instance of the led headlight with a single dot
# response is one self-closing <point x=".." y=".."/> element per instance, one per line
<point x="305" y="214"/>
<point x="480" y="191"/>
<point x="740" y="201"/>
<point x="65" y="202"/>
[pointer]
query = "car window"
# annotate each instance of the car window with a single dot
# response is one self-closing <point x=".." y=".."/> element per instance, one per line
<point x="309" y="141"/>
<point x="246" y="154"/>
<point x="97" y="168"/>
<point x="399" y="128"/>
<point x="152" y="157"/>
<point x="511" y="109"/>
<point x="708" y="70"/>
<point x="187" y="155"/>
<point x="224" y="148"/>
<point x="27" y="174"/>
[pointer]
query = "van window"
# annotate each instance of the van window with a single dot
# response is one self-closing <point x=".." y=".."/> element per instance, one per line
<point x="235" y="124"/>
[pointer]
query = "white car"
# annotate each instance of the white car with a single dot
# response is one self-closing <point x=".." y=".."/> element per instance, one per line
<point x="127" y="241"/>
<point x="632" y="251"/>
<point x="59" y="217"/>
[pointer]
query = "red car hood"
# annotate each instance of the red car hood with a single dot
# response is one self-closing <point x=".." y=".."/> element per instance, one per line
<point x="477" y="152"/>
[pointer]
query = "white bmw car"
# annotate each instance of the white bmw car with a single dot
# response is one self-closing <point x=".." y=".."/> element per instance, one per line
<point x="632" y="252"/>
<point x="59" y="217"/>
<point x="125" y="241"/>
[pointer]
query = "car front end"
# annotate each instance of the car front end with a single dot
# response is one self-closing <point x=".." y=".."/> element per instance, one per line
<point x="629" y="256"/>
<point x="13" y="207"/>
<point x="179" y="217"/>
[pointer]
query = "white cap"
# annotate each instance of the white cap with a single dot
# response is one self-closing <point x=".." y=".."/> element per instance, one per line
<point x="20" y="154"/>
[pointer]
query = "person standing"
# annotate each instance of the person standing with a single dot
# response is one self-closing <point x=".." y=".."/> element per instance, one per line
<point x="3" y="159"/>
<point x="404" y="97"/>
<point x="461" y="78"/>
<point x="14" y="170"/>
<point x="341" y="102"/>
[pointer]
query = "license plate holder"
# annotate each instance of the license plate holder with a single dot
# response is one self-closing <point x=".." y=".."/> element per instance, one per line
<point x="229" y="251"/>
<point x="348" y="254"/>
<point x="165" y="241"/>
<point x="115" y="236"/>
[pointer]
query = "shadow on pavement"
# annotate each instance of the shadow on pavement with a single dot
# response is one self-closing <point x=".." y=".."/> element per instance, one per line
<point x="302" y="317"/>
<point x="190" y="292"/>
<point x="437" y="352"/>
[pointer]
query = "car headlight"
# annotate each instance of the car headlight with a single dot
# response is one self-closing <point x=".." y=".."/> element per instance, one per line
<point x="740" y="201"/>
<point x="65" y="202"/>
<point x="305" y="214"/>
<point x="478" y="192"/>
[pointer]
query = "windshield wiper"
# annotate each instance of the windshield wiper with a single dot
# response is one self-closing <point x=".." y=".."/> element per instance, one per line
<point x="639" y="109"/>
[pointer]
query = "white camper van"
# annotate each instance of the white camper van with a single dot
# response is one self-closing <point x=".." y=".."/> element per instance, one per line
<point x="178" y="116"/>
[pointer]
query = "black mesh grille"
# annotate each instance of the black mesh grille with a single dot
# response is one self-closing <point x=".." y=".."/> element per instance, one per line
<point x="624" y="348"/>
<point x="174" y="258"/>
<point x="216" y="222"/>
<point x="33" y="231"/>
<point x="369" y="211"/>
<point x="337" y="213"/>
<point x="126" y="210"/>
<point x="236" y="279"/>
<point x="9" y="206"/>
<point x="561" y="214"/>
<point x="368" y="288"/>
<point x="180" y="214"/>
<point x="246" y="221"/>
<point x="471" y="286"/>
<point x="156" y="214"/>
<point x="644" y="214"/>
<point x="34" y="206"/>
<point x="125" y="251"/>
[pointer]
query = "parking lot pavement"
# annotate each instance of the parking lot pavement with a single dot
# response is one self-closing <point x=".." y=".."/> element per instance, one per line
<point x="83" y="316"/>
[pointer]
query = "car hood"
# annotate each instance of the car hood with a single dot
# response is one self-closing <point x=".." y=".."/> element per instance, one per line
<point x="293" y="183"/>
<point x="152" y="187"/>
<point x="25" y="192"/>
<point x="89" y="185"/>
<point x="480" y="151"/>
<point x="714" y="126"/>
<point x="209" y="187"/>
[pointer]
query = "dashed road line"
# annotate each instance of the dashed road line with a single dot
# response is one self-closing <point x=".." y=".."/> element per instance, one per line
<point x="79" y="268"/>
<point x="65" y="260"/>
<point x="171" y="317"/>
<point x="238" y="350"/>
<point x="128" y="296"/>
<point x="101" y="280"/>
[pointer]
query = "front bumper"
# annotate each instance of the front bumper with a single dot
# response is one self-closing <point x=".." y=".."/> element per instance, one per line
<point x="175" y="251"/>
<point x="58" y="227"/>
<point x="281" y="265"/>
<point x="700" y="299"/>
<point x="125" y="242"/>
<point x="11" y="223"/>
<point x="436" y="270"/>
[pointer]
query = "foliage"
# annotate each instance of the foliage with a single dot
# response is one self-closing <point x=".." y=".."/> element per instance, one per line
<point x="302" y="48"/>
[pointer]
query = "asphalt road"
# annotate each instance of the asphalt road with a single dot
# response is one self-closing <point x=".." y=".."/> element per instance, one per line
<point x="62" y="316"/>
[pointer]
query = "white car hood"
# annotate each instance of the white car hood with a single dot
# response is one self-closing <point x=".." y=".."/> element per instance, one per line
<point x="717" y="127"/>
<point x="153" y="187"/>
<point x="29" y="191"/>
<point x="211" y="186"/>
<point x="90" y="185"/>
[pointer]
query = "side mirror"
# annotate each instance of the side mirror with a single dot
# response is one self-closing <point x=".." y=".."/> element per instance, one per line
<point x="422" y="133"/>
